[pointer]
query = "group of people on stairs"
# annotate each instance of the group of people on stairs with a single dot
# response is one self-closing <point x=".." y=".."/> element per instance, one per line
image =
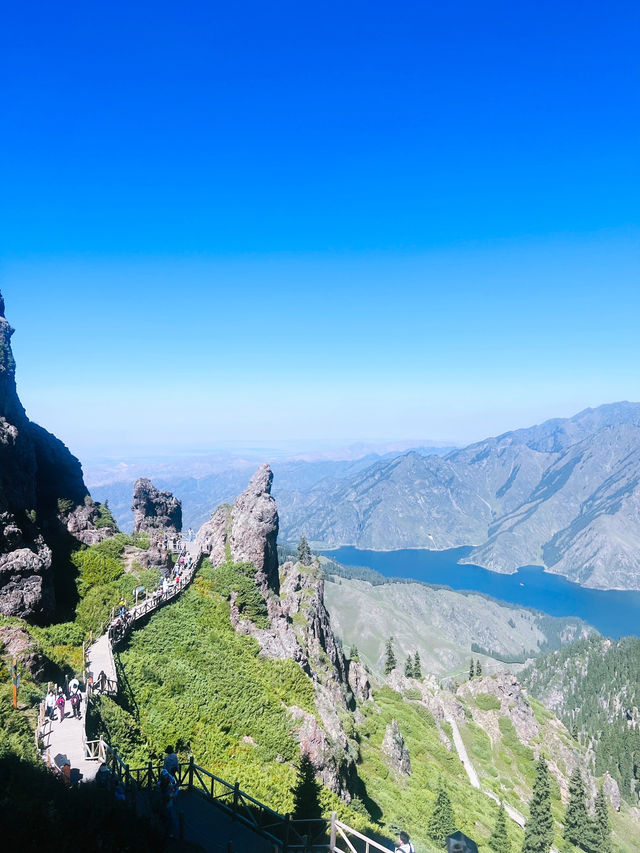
<point x="58" y="700"/>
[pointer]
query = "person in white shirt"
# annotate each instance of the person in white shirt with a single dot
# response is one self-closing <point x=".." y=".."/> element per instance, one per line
<point x="404" y="845"/>
<point x="49" y="704"/>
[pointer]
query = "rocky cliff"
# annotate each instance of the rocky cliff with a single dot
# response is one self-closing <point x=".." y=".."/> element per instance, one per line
<point x="45" y="506"/>
<point x="298" y="626"/>
<point x="155" y="510"/>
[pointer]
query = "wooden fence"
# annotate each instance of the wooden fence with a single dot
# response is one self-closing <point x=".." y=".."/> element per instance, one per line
<point x="288" y="835"/>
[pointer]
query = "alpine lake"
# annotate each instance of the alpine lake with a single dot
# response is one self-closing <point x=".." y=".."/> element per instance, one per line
<point x="615" y="613"/>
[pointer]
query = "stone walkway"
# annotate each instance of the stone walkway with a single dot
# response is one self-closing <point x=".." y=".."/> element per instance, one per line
<point x="68" y="738"/>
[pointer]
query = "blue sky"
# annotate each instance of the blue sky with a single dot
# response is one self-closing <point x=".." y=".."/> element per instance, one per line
<point x="338" y="221"/>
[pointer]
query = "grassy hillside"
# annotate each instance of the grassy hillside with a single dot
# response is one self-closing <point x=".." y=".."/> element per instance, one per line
<point x="447" y="627"/>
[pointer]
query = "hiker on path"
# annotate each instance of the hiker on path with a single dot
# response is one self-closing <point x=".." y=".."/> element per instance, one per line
<point x="168" y="788"/>
<point x="404" y="845"/>
<point x="123" y="608"/>
<point x="165" y="586"/>
<point x="49" y="704"/>
<point x="60" y="703"/>
<point x="76" y="702"/>
<point x="74" y="684"/>
<point x="171" y="761"/>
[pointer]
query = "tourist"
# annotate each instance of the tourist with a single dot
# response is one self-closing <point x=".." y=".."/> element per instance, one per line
<point x="122" y="608"/>
<point x="76" y="702"/>
<point x="404" y="845"/>
<point x="165" y="586"/>
<point x="49" y="704"/>
<point x="168" y="788"/>
<point x="74" y="684"/>
<point x="171" y="761"/>
<point x="60" y="703"/>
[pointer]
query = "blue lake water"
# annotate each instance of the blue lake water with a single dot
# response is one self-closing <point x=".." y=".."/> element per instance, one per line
<point x="615" y="613"/>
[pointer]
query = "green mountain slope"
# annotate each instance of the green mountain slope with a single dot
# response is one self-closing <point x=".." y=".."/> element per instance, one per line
<point x="445" y="626"/>
<point x="594" y="687"/>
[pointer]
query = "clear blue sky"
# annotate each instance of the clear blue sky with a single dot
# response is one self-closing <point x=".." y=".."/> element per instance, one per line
<point x="354" y="220"/>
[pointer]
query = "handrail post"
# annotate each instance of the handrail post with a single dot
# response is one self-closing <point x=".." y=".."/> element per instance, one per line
<point x="287" y="819"/>
<point x="150" y="774"/>
<point x="191" y="762"/>
<point x="332" y="839"/>
<point x="236" y="797"/>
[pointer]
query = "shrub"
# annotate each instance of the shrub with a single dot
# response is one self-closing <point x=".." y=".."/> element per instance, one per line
<point x="96" y="568"/>
<point x="488" y="702"/>
<point x="105" y="518"/>
<point x="238" y="578"/>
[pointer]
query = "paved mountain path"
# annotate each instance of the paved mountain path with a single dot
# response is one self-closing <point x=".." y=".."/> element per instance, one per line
<point x="67" y="738"/>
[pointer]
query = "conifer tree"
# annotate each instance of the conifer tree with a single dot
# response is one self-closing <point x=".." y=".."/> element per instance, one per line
<point x="499" y="841"/>
<point x="417" y="666"/>
<point x="574" y="730"/>
<point x="353" y="653"/>
<point x="472" y="671"/>
<point x="538" y="831"/>
<point x="442" y="821"/>
<point x="304" y="552"/>
<point x="306" y="792"/>
<point x="601" y="836"/>
<point x="577" y="826"/>
<point x="478" y="668"/>
<point x="390" y="658"/>
<point x="408" y="667"/>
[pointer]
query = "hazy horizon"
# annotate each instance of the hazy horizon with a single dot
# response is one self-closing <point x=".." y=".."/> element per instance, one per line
<point x="305" y="225"/>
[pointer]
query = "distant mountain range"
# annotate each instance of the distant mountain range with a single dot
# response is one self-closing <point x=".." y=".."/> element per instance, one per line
<point x="564" y="495"/>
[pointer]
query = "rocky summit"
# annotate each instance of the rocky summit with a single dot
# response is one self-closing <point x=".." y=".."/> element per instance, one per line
<point x="44" y="503"/>
<point x="155" y="510"/>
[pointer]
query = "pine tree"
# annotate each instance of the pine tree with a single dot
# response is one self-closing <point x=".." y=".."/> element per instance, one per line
<point x="601" y="836"/>
<point x="499" y="841"/>
<point x="390" y="658"/>
<point x="478" y="668"/>
<point x="538" y="831"/>
<point x="574" y="730"/>
<point x="306" y="792"/>
<point x="408" y="667"/>
<point x="304" y="552"/>
<point x="442" y="821"/>
<point x="417" y="666"/>
<point x="577" y="825"/>
<point x="472" y="671"/>
<point x="353" y="653"/>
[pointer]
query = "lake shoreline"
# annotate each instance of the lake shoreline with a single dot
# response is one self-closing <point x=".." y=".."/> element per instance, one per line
<point x="613" y="613"/>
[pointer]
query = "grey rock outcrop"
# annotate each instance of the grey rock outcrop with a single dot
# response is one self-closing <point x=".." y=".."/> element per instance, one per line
<point x="612" y="791"/>
<point x="248" y="531"/>
<point x="359" y="681"/>
<point x="299" y="627"/>
<point x="395" y="749"/>
<point x="41" y="489"/>
<point x="155" y="510"/>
